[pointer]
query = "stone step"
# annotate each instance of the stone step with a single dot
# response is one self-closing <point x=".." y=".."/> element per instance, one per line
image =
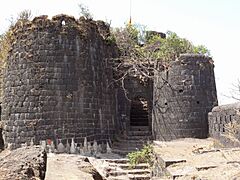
<point x="117" y="173"/>
<point x="126" y="148"/>
<point x="128" y="166"/>
<point x="134" y="140"/>
<point x="138" y="171"/>
<point x="121" y="152"/>
<point x="140" y="177"/>
<point x="137" y="128"/>
<point x="118" y="178"/>
<point x="139" y="113"/>
<point x="131" y="177"/>
<point x="120" y="161"/>
<point x="139" y="116"/>
<point x="129" y="172"/>
<point x="139" y="121"/>
<point x="131" y="141"/>
<point x="139" y="133"/>
<point x="139" y="137"/>
<point x="128" y="144"/>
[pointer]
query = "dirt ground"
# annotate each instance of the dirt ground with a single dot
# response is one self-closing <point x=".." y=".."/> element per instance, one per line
<point x="75" y="167"/>
<point x="67" y="167"/>
<point x="199" y="159"/>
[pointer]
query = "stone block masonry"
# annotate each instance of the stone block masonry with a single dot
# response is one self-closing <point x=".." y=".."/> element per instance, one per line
<point x="224" y="124"/>
<point x="57" y="82"/>
<point x="184" y="92"/>
<point x="58" y="86"/>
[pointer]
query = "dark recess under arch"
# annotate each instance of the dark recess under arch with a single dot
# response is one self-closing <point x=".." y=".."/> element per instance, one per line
<point x="139" y="112"/>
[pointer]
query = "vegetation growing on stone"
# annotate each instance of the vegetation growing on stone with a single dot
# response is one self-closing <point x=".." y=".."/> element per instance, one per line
<point x="139" y="49"/>
<point x="4" y="47"/>
<point x="84" y="11"/>
<point x="172" y="46"/>
<point x="133" y="41"/>
<point x="5" y="38"/>
<point x="145" y="155"/>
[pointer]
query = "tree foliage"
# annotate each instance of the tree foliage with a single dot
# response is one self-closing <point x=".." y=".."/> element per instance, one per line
<point x="4" y="46"/>
<point x="139" y="51"/>
<point x="127" y="40"/>
<point x="130" y="41"/>
<point x="5" y="38"/>
<point x="24" y="15"/>
<point x="172" y="46"/>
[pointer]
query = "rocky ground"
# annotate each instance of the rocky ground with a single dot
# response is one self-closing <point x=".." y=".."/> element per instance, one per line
<point x="27" y="163"/>
<point x="70" y="167"/>
<point x="197" y="159"/>
<point x="101" y="167"/>
<point x="183" y="159"/>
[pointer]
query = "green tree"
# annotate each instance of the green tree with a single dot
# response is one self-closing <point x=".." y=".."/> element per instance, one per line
<point x="172" y="46"/>
<point x="130" y="38"/>
<point x="139" y="51"/>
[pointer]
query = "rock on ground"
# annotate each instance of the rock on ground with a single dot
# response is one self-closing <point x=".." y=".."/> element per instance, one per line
<point x="198" y="159"/>
<point x="27" y="163"/>
<point x="70" y="166"/>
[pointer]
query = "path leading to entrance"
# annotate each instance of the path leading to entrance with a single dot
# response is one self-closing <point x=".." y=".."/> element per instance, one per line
<point x="110" y="166"/>
<point x="66" y="167"/>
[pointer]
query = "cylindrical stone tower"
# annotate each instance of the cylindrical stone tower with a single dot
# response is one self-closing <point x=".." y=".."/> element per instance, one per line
<point x="57" y="82"/>
<point x="184" y="93"/>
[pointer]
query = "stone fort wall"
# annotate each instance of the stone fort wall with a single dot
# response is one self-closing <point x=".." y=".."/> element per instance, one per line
<point x="184" y="93"/>
<point x="58" y="85"/>
<point x="224" y="124"/>
<point x="57" y="82"/>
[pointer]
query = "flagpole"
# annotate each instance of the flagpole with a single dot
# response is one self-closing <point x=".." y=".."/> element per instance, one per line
<point x="130" y="20"/>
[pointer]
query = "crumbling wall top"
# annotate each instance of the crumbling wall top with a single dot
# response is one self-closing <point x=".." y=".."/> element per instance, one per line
<point x="233" y="106"/>
<point x="62" y="24"/>
<point x="192" y="58"/>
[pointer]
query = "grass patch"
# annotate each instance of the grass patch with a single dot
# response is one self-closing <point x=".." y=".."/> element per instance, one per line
<point x="145" y="155"/>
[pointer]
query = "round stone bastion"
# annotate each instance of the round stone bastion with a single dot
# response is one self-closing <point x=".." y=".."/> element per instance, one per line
<point x="184" y="93"/>
<point x="57" y="82"/>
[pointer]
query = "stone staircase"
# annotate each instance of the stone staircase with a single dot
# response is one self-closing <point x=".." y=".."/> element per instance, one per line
<point x="139" y="113"/>
<point x="133" y="141"/>
<point x="120" y="169"/>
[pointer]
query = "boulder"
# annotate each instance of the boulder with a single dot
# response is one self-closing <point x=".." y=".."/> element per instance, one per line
<point x="23" y="163"/>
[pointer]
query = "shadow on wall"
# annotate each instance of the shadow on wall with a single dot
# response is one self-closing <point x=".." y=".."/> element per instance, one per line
<point x="1" y="137"/>
<point x="139" y="112"/>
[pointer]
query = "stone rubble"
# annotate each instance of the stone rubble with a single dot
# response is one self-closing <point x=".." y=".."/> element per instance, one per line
<point x="26" y="163"/>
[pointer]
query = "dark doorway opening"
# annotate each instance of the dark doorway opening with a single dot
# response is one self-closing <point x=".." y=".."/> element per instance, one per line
<point x="139" y="112"/>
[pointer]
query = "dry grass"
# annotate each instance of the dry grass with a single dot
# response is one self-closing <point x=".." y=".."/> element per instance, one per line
<point x="233" y="129"/>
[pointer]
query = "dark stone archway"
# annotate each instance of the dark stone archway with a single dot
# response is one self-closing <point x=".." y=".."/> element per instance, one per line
<point x="139" y="112"/>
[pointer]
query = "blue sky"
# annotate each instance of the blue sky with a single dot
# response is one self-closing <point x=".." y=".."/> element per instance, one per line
<point x="213" y="23"/>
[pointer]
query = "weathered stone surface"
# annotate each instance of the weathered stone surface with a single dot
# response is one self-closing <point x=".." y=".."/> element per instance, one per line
<point x="23" y="163"/>
<point x="184" y="93"/>
<point x="58" y="85"/>
<point x="57" y="82"/>
<point x="195" y="159"/>
<point x="74" y="167"/>
<point x="224" y="124"/>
